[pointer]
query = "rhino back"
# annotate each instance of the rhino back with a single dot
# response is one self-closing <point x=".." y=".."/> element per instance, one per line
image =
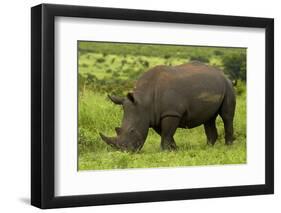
<point x="194" y="92"/>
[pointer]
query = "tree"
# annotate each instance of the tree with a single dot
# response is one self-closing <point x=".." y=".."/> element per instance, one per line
<point x="235" y="66"/>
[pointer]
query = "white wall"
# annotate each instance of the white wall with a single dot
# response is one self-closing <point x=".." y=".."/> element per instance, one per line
<point x="15" y="105"/>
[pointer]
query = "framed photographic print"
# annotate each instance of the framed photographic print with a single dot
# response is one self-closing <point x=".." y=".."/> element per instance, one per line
<point x="139" y="106"/>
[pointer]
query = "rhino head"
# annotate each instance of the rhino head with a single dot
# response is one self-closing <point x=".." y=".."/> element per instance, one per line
<point x="133" y="132"/>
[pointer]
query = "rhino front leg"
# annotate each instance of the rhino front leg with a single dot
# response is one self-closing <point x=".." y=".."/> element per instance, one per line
<point x="169" y="126"/>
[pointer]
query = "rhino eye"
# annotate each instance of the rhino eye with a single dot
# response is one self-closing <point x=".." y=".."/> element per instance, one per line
<point x="132" y="131"/>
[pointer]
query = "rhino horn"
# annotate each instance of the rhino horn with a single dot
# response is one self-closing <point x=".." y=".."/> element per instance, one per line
<point x="109" y="140"/>
<point x="116" y="99"/>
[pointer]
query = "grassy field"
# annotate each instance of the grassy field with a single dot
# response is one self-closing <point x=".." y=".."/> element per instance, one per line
<point x="113" y="68"/>
<point x="100" y="115"/>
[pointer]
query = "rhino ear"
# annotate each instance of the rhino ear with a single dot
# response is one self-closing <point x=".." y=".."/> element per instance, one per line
<point x="116" y="99"/>
<point x="131" y="97"/>
<point x="118" y="130"/>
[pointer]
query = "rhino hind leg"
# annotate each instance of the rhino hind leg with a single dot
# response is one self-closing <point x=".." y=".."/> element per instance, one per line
<point x="169" y="126"/>
<point x="211" y="131"/>
<point x="228" y="129"/>
<point x="227" y="114"/>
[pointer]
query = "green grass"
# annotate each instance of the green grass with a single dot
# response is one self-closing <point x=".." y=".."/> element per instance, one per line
<point x="98" y="114"/>
<point x="113" y="68"/>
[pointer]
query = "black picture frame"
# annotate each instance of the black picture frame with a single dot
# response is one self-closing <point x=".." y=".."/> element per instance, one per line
<point x="43" y="102"/>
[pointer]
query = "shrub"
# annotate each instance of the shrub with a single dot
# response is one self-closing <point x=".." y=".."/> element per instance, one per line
<point x="115" y="74"/>
<point x="218" y="52"/>
<point x="123" y="62"/>
<point x="200" y="58"/>
<point x="167" y="56"/>
<point x="240" y="88"/>
<point x="100" y="60"/>
<point x="235" y="65"/>
<point x="145" y="63"/>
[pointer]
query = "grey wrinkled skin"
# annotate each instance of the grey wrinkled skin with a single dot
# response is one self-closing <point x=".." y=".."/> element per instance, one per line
<point x="166" y="98"/>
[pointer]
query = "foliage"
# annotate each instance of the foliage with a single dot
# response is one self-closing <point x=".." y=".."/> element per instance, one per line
<point x="240" y="88"/>
<point x="200" y="58"/>
<point x="113" y="67"/>
<point x="162" y="51"/>
<point x="235" y="66"/>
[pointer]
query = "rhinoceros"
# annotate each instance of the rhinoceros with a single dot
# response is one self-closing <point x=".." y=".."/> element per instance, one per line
<point x="169" y="97"/>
